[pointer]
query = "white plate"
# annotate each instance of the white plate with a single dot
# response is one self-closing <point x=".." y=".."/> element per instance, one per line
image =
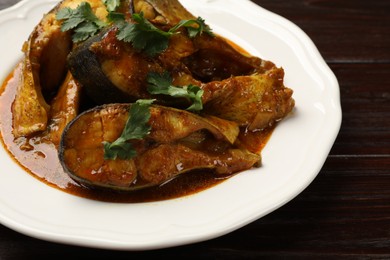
<point x="291" y="160"/>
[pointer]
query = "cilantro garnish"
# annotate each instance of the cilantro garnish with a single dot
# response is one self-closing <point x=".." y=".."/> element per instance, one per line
<point x="151" y="40"/>
<point x="115" y="17"/>
<point x="193" y="31"/>
<point x="112" y="5"/>
<point x="82" y="20"/>
<point x="162" y="84"/>
<point x="143" y="35"/>
<point x="136" y="128"/>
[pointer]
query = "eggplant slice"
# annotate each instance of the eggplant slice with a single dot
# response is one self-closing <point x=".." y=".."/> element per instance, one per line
<point x="179" y="142"/>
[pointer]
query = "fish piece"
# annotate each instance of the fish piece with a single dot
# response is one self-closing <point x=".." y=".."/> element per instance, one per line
<point x="29" y="109"/>
<point x="167" y="12"/>
<point x="110" y="70"/>
<point x="179" y="159"/>
<point x="64" y="108"/>
<point x="179" y="142"/>
<point x="44" y="69"/>
<point x="230" y="61"/>
<point x="216" y="59"/>
<point x="256" y="101"/>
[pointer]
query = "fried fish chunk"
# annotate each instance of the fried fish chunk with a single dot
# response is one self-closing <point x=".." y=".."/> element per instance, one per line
<point x="179" y="142"/>
<point x="44" y="69"/>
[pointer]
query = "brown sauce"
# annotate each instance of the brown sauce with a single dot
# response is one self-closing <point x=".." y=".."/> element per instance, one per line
<point x="38" y="157"/>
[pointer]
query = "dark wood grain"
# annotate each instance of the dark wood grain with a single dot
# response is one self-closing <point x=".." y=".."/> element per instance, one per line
<point x="345" y="212"/>
<point x="348" y="31"/>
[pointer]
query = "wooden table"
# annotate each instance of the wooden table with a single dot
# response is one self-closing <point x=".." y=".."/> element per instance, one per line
<point x="345" y="212"/>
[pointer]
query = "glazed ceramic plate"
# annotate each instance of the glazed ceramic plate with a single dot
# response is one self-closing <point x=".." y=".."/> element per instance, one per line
<point x="291" y="160"/>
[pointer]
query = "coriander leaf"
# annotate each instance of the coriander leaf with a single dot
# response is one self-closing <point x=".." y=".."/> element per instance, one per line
<point x="194" y="27"/>
<point x="143" y="35"/>
<point x="82" y="20"/>
<point x="112" y="5"/>
<point x="151" y="43"/>
<point x="145" y="25"/>
<point x="71" y="20"/>
<point x="120" y="149"/>
<point x="84" y="31"/>
<point x="115" y="17"/>
<point x="195" y="95"/>
<point x="64" y="13"/>
<point x="146" y="37"/>
<point x="162" y="84"/>
<point x="136" y="128"/>
<point x="158" y="83"/>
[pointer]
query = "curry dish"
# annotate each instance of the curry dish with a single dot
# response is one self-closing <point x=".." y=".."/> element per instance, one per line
<point x="134" y="101"/>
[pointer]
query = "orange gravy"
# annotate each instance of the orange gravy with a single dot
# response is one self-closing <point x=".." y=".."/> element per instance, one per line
<point x="38" y="157"/>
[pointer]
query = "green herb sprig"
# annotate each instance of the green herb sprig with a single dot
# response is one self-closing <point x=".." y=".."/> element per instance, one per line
<point x="151" y="40"/>
<point x="194" y="27"/>
<point x="136" y="128"/>
<point x="162" y="84"/>
<point x="82" y="20"/>
<point x="112" y="5"/>
<point x="143" y="35"/>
